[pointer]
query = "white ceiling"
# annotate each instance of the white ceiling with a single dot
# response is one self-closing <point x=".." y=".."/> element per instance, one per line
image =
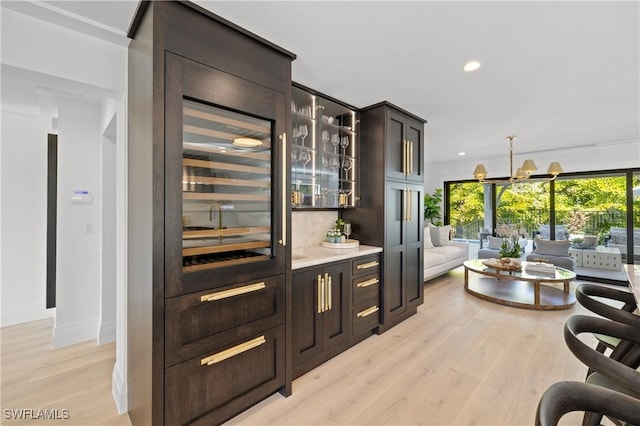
<point x="556" y="74"/>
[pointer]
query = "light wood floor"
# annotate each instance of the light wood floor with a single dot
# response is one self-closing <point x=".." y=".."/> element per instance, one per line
<point x="76" y="378"/>
<point x="460" y="361"/>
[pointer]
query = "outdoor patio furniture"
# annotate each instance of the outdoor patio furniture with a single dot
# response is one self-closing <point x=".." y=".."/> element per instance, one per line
<point x="554" y="252"/>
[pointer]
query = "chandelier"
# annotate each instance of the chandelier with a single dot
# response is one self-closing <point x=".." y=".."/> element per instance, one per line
<point x="522" y="173"/>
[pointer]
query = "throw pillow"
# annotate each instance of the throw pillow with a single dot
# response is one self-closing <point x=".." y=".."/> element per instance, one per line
<point x="439" y="234"/>
<point x="435" y="236"/>
<point x="445" y="234"/>
<point x="495" y="243"/>
<point x="552" y="248"/>
<point x="427" y="238"/>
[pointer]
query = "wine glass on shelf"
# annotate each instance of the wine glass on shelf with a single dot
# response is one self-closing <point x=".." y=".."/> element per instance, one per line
<point x="346" y="165"/>
<point x="334" y="163"/>
<point x="305" y="157"/>
<point x="304" y="131"/>
<point x="325" y="136"/>
<point x="344" y="143"/>
<point x="335" y="141"/>
<point x="325" y="191"/>
<point x="346" y="230"/>
<point x="325" y="164"/>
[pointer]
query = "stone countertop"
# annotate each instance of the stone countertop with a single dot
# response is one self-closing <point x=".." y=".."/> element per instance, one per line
<point x="318" y="255"/>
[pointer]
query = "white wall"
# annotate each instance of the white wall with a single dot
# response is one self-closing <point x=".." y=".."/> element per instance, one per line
<point x="78" y="243"/>
<point x="24" y="212"/>
<point x="107" y="325"/>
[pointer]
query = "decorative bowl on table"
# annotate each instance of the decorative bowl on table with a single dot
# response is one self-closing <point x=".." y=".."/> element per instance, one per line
<point x="346" y="245"/>
<point x="504" y="264"/>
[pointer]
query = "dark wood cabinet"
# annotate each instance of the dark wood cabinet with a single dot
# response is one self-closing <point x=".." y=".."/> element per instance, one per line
<point x="365" y="287"/>
<point x="209" y="287"/>
<point x="391" y="158"/>
<point x="321" y="318"/>
<point x="404" y="147"/>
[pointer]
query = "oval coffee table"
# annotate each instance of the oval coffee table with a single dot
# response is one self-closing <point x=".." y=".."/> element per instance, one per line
<point x="519" y="288"/>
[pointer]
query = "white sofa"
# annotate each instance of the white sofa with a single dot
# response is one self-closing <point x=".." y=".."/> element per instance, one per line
<point x="439" y="260"/>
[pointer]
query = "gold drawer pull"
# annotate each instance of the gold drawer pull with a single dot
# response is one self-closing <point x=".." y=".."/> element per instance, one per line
<point x="367" y="312"/>
<point x="367" y="283"/>
<point x="232" y="292"/>
<point x="368" y="265"/>
<point x="231" y="352"/>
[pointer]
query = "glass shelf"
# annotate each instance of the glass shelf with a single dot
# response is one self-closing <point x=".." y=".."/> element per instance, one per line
<point x="323" y="152"/>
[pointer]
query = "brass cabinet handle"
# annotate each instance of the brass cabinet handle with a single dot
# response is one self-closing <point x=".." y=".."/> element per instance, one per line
<point x="283" y="240"/>
<point x="405" y="206"/>
<point x="211" y="297"/>
<point x="367" y="283"/>
<point x="320" y="284"/>
<point x="368" y="265"/>
<point x="367" y="312"/>
<point x="410" y="157"/>
<point x="410" y="208"/>
<point x="231" y="352"/>
<point x="404" y="156"/>
<point x="327" y="281"/>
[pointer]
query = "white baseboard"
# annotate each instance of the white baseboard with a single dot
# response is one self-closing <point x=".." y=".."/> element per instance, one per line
<point x="72" y="333"/>
<point x="106" y="332"/>
<point x="118" y="390"/>
<point x="11" y="315"/>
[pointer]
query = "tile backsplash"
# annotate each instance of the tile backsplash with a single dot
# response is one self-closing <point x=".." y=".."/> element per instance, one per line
<point x="309" y="228"/>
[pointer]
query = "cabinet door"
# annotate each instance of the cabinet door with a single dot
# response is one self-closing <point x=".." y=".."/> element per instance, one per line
<point x="208" y="390"/>
<point x="394" y="294"/>
<point x="415" y="156"/>
<point x="336" y="322"/>
<point x="323" y="163"/>
<point x="396" y="146"/>
<point x="306" y="319"/>
<point x="414" y="251"/>
<point x="224" y="176"/>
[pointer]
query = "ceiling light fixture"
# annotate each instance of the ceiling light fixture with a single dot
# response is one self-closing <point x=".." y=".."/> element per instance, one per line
<point x="247" y="142"/>
<point x="522" y="173"/>
<point x="471" y="66"/>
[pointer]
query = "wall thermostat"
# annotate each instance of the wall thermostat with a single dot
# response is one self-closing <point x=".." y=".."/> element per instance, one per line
<point x="80" y="196"/>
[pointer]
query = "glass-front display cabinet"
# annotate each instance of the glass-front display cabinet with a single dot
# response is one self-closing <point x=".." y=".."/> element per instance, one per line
<point x="324" y="167"/>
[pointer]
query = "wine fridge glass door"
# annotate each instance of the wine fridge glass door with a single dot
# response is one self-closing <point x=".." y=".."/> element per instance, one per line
<point x="226" y="187"/>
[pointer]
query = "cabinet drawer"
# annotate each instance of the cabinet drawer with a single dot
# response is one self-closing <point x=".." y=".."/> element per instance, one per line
<point x="197" y="322"/>
<point x="365" y="265"/>
<point x="366" y="317"/>
<point x="365" y="288"/>
<point x="211" y="388"/>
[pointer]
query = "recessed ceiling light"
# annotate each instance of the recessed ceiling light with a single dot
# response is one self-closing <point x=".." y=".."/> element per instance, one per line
<point x="247" y="142"/>
<point x="471" y="66"/>
<point x="462" y="153"/>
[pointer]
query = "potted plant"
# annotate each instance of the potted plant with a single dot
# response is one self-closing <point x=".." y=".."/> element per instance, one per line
<point x="510" y="251"/>
<point x="432" y="206"/>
